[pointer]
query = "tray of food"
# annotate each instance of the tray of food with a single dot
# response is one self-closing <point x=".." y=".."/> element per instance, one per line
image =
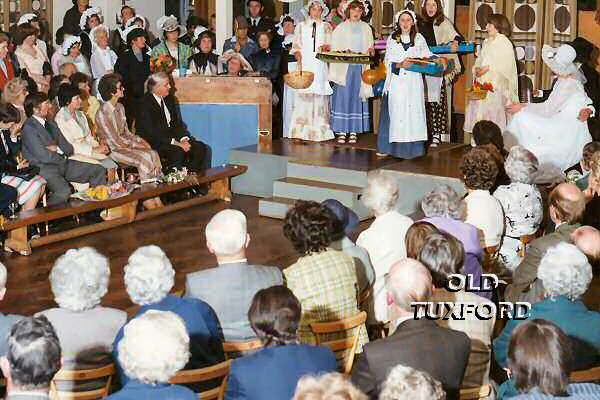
<point x="103" y="192"/>
<point x="463" y="47"/>
<point x="425" y="66"/>
<point x="344" y="57"/>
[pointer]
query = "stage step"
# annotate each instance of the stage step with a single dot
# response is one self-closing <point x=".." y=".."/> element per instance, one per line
<point x="326" y="173"/>
<point x="275" y="207"/>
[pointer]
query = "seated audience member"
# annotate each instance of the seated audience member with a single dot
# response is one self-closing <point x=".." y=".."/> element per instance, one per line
<point x="7" y="69"/>
<point x="103" y="58"/>
<point x="155" y="346"/>
<point x="236" y="63"/>
<point x="89" y="104"/>
<point x="501" y="179"/>
<point x="566" y="209"/>
<point x="17" y="174"/>
<point x="588" y="151"/>
<point x="332" y="386"/>
<point x="487" y="132"/>
<point x="73" y="124"/>
<point x="591" y="216"/>
<point x="118" y="41"/>
<point x="266" y="61"/>
<point x="205" y="62"/>
<point x="479" y="171"/>
<point x="67" y="69"/>
<point x="240" y="42"/>
<point x="539" y="360"/>
<point x="149" y="277"/>
<point x="587" y="239"/>
<point x="345" y="221"/>
<point x="71" y="49"/>
<point x="170" y="45"/>
<point x="273" y="372"/>
<point x="409" y="383"/>
<point x="8" y="195"/>
<point x="418" y="343"/>
<point x="59" y="38"/>
<point x="90" y="20"/>
<point x="31" y="57"/>
<point x="416" y="236"/>
<point x="444" y="208"/>
<point x="521" y="202"/>
<point x="15" y="92"/>
<point x="323" y="279"/>
<point x="191" y="24"/>
<point x="159" y="123"/>
<point x="45" y="146"/>
<point x="443" y="256"/>
<point x="125" y="147"/>
<point x="55" y="83"/>
<point x="32" y="359"/>
<point x="6" y="321"/>
<point x="566" y="275"/>
<point x="227" y="238"/>
<point x="384" y="239"/>
<point x="79" y="280"/>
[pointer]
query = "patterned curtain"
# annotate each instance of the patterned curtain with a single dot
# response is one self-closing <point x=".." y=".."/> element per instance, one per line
<point x="560" y="27"/>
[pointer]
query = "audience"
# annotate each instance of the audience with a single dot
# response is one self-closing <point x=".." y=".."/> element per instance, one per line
<point x="479" y="170"/>
<point x="71" y="49"/>
<point x="324" y="280"/>
<point x="418" y="343"/>
<point x="205" y="61"/>
<point x="273" y="372"/>
<point x="15" y="93"/>
<point x="591" y="216"/>
<point x="73" y="15"/>
<point x="236" y="63"/>
<point x="67" y="69"/>
<point x="384" y="239"/>
<point x="31" y="57"/>
<point x="155" y="346"/>
<point x="33" y="357"/>
<point x="266" y="61"/>
<point x="416" y="236"/>
<point x="409" y="383"/>
<point x="79" y="280"/>
<point x="227" y="238"/>
<point x="584" y="165"/>
<point x="240" y="42"/>
<point x="587" y="239"/>
<point x="566" y="209"/>
<point x="7" y="72"/>
<point x="90" y="20"/>
<point x="103" y="59"/>
<point x="118" y="40"/>
<point x="170" y="45"/>
<point x="332" y="386"/>
<point x="6" y="321"/>
<point x="443" y="256"/>
<point x="257" y="21"/>
<point x="89" y="104"/>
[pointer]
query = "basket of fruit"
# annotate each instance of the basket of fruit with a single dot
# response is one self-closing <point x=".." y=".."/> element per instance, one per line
<point x="479" y="91"/>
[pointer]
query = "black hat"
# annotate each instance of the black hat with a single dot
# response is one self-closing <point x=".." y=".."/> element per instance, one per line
<point x="583" y="49"/>
<point x="345" y="220"/>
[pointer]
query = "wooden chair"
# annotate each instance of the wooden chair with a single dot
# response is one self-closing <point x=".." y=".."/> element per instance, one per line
<point x="350" y="343"/>
<point x="106" y="372"/>
<point x="480" y="393"/>
<point x="490" y="258"/>
<point x="589" y="375"/>
<point x="220" y="370"/>
<point x="241" y="346"/>
<point x="363" y="298"/>
<point x="526" y="239"/>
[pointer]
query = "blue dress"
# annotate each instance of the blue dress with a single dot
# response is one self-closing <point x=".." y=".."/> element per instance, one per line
<point x="135" y="390"/>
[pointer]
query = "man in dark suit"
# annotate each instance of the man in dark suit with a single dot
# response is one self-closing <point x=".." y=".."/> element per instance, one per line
<point x="227" y="239"/>
<point x="566" y="208"/>
<point x="159" y="122"/>
<point x="421" y="344"/>
<point x="257" y="22"/>
<point x="45" y="146"/>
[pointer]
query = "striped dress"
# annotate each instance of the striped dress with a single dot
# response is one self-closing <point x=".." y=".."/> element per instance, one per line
<point x="125" y="147"/>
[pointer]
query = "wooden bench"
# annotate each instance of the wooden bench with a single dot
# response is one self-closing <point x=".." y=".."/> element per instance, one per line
<point x="122" y="210"/>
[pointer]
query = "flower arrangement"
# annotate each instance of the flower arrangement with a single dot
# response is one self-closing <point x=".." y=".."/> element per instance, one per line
<point x="178" y="175"/>
<point x="163" y="63"/>
<point x="479" y="90"/>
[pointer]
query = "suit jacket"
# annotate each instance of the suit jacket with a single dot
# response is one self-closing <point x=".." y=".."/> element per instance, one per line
<point x="135" y="390"/>
<point x="265" y="24"/>
<point x="526" y="273"/>
<point x="272" y="373"/>
<point x="241" y="282"/>
<point x="35" y="138"/>
<point x="420" y="344"/>
<point x="8" y="152"/>
<point x="4" y="78"/>
<point x="151" y="122"/>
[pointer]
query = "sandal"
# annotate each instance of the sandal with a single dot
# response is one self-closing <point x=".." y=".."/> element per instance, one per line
<point x="342" y="139"/>
<point x="353" y="139"/>
<point x="381" y="154"/>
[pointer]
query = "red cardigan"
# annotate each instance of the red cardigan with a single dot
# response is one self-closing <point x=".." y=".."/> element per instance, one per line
<point x="11" y="73"/>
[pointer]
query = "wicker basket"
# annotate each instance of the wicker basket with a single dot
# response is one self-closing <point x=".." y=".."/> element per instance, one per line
<point x="299" y="79"/>
<point x="475" y="96"/>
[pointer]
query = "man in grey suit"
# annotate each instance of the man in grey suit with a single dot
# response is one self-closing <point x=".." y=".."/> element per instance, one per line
<point x="45" y="147"/>
<point x="230" y="287"/>
<point x="6" y="321"/>
<point x="417" y="343"/>
<point x="32" y="359"/>
<point x="566" y="208"/>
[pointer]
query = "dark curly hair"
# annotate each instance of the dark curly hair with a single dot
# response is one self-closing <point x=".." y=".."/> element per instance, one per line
<point x="486" y="132"/>
<point x="308" y="226"/>
<point x="478" y="170"/>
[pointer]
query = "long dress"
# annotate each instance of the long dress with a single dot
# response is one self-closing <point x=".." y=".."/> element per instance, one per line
<point x="289" y="93"/>
<point x="498" y="55"/>
<point x="551" y="130"/>
<point x="403" y="128"/>
<point x="33" y="65"/>
<point x="349" y="105"/>
<point x="310" y="111"/>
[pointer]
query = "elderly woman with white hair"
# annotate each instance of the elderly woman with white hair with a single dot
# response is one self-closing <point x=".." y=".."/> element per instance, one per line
<point x="384" y="239"/>
<point x="408" y="383"/>
<point x="154" y="348"/>
<point x="149" y="277"/>
<point x="566" y="275"/>
<point x="522" y="204"/>
<point x="331" y="386"/>
<point x="86" y="330"/>
<point x="103" y="59"/>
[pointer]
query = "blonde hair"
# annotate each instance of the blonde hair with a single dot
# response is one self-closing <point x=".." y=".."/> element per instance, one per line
<point x="595" y="170"/>
<point x="13" y="90"/>
<point x="332" y="386"/>
<point x="407" y="383"/>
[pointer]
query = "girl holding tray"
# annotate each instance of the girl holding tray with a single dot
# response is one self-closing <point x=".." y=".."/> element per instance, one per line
<point x="403" y="126"/>
<point x="495" y="64"/>
<point x="349" y="106"/>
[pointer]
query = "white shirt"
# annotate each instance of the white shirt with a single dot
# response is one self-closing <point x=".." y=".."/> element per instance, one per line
<point x="161" y="101"/>
<point x="485" y="212"/>
<point x="254" y="21"/>
<point x="240" y="261"/>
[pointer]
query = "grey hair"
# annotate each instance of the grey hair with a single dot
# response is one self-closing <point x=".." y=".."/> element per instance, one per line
<point x="408" y="383"/>
<point x="226" y="232"/>
<point x="565" y="271"/>
<point x="79" y="279"/>
<point x="63" y="67"/>
<point x="381" y="193"/>
<point x="3" y="276"/>
<point x="408" y="281"/>
<point x="331" y="386"/>
<point x="156" y="79"/>
<point x="521" y="165"/>
<point x="149" y="275"/>
<point x="97" y="30"/>
<point x="443" y="201"/>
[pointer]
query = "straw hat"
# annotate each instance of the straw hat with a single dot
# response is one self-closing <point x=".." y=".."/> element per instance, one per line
<point x="170" y="24"/>
<point x="561" y="60"/>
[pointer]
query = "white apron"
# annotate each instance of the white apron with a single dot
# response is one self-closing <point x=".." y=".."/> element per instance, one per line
<point x="288" y="100"/>
<point x="309" y="48"/>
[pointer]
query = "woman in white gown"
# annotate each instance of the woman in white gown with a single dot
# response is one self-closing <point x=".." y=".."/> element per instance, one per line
<point x="552" y="130"/>
<point x="310" y="111"/>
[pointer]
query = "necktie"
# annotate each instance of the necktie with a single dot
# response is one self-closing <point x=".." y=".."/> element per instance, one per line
<point x="162" y="108"/>
<point x="254" y="23"/>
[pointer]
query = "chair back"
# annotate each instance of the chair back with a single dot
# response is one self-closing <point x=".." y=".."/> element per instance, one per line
<point x="220" y="370"/>
<point x="234" y="349"/>
<point x="349" y="343"/>
<point x="589" y="375"/>
<point x="106" y="372"/>
<point x="526" y="239"/>
<point x="480" y="393"/>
